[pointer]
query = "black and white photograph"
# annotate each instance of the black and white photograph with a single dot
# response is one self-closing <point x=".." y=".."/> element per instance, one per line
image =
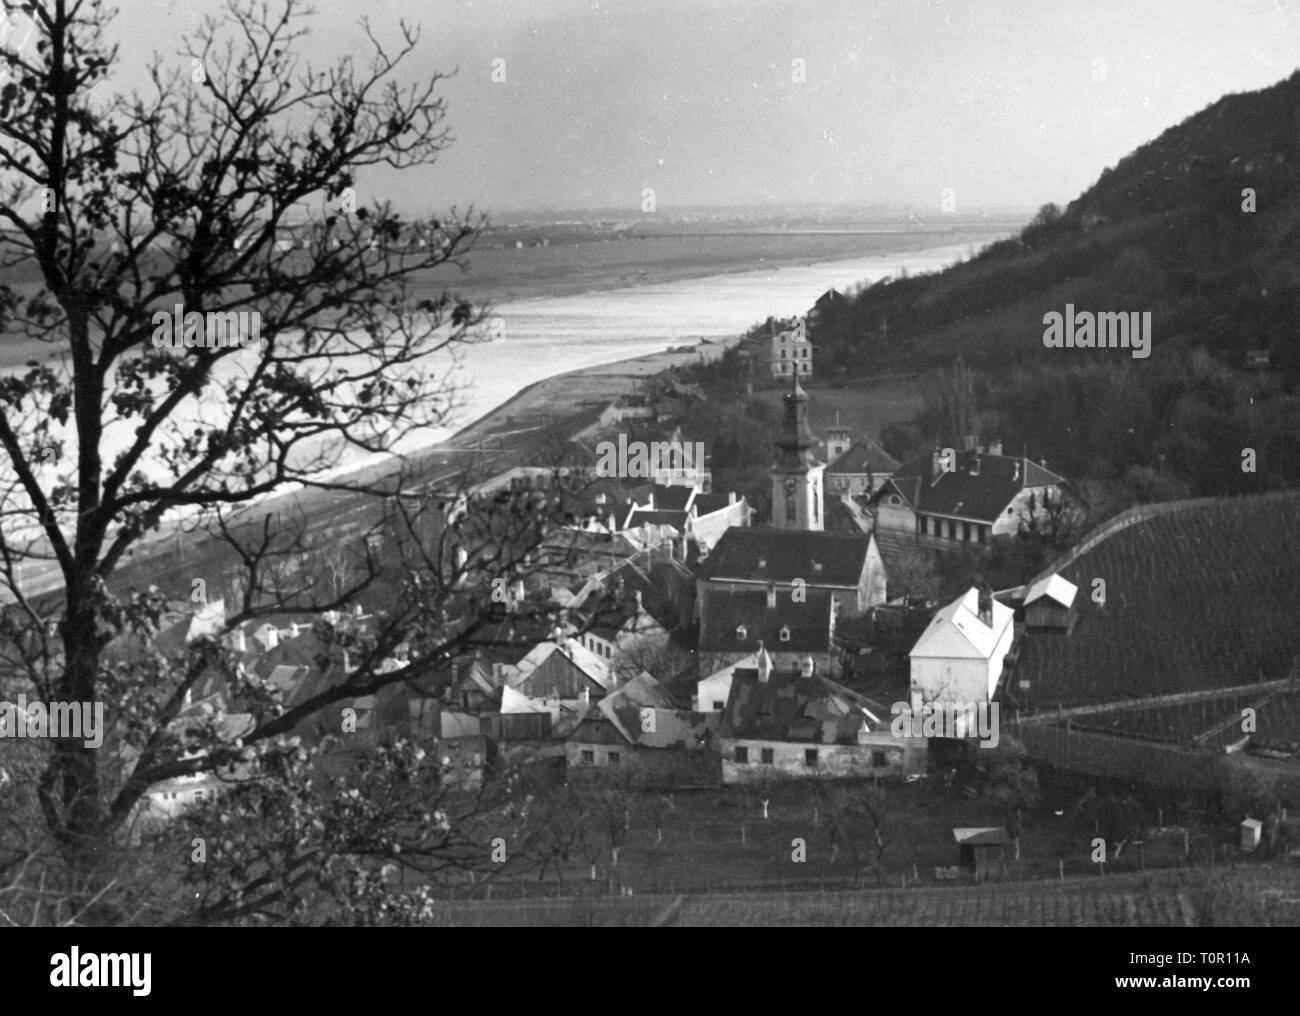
<point x="650" y="463"/>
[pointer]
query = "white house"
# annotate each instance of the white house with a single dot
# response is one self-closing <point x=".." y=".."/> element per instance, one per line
<point x="959" y="656"/>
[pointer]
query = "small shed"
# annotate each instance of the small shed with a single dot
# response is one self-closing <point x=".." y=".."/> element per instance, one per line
<point x="1049" y="604"/>
<point x="1251" y="830"/>
<point x="982" y="850"/>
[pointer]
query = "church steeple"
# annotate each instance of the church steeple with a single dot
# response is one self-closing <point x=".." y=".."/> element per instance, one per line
<point x="797" y="473"/>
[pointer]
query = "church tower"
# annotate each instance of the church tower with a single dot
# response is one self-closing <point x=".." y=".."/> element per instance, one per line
<point x="797" y="474"/>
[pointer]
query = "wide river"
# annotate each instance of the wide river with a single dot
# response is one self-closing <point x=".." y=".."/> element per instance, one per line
<point x="544" y="337"/>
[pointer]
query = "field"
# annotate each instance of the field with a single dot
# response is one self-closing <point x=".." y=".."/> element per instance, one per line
<point x="1197" y="599"/>
<point x="1224" y="897"/>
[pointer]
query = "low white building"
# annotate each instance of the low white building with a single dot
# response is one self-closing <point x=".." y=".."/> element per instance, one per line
<point x="959" y="656"/>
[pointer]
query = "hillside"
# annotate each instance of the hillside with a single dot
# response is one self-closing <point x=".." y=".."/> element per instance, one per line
<point x="1164" y="231"/>
<point x="1199" y="597"/>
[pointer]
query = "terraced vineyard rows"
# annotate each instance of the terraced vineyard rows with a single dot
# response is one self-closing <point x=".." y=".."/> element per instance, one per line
<point x="1201" y="598"/>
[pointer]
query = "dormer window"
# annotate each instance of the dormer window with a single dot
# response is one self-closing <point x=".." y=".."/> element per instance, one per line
<point x="762" y="562"/>
<point x="784" y="633"/>
<point x="741" y="632"/>
<point x="817" y="567"/>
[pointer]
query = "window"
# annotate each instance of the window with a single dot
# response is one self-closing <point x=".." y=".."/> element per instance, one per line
<point x="810" y="757"/>
<point x="965" y="526"/>
<point x="588" y="757"/>
<point x="895" y="499"/>
<point x="784" y="634"/>
<point x="742" y="755"/>
<point x="718" y="706"/>
<point x="767" y="756"/>
<point x="741" y="632"/>
<point x="613" y="758"/>
<point x="879" y="759"/>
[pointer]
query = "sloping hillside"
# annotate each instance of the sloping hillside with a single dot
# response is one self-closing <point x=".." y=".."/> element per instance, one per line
<point x="1163" y="231"/>
<point x="1201" y="597"/>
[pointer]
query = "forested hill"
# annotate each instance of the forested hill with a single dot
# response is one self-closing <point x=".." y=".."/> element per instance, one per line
<point x="1168" y="230"/>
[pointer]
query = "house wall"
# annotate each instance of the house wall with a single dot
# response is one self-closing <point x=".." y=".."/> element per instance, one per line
<point x="1046" y="614"/>
<point x="901" y="757"/>
<point x="664" y="767"/>
<point x="871" y="586"/>
<point x="1008" y="522"/>
<point x="855" y="483"/>
<point x="825" y="663"/>
<point x="558" y="677"/>
<point x="896" y="518"/>
<point x="943" y="679"/>
<point x="708" y="529"/>
<point x="715" y="688"/>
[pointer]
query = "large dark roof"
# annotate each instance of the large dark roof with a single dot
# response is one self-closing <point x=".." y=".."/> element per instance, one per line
<point x="862" y="455"/>
<point x="672" y="498"/>
<point x="790" y="707"/>
<point x="962" y="492"/>
<point x="782" y="555"/>
<point x="809" y="622"/>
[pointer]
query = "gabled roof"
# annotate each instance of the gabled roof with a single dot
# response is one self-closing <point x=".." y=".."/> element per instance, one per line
<point x="1053" y="587"/>
<point x="790" y="707"/>
<point x="586" y="661"/>
<point x="672" y="498"/>
<point x="808" y="623"/>
<point x="707" y="504"/>
<point x="783" y="555"/>
<point x="980" y="487"/>
<point x="982" y="836"/>
<point x="957" y="632"/>
<point x="862" y="456"/>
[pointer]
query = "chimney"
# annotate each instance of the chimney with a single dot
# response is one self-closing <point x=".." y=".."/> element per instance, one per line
<point x="293" y="629"/>
<point x="975" y="464"/>
<point x="731" y="497"/>
<point x="271" y="636"/>
<point x="771" y="596"/>
<point x="995" y="447"/>
<point x="968" y="442"/>
<point x="240" y="640"/>
<point x="764" y="664"/>
<point x="986" y="605"/>
<point x="639" y="607"/>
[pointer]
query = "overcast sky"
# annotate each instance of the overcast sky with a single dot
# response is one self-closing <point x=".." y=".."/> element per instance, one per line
<point x="1007" y="102"/>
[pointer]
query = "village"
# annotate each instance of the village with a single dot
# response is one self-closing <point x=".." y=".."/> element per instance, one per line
<point x="668" y="643"/>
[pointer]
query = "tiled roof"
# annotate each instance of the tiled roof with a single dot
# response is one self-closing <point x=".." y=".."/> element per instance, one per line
<point x="790" y="707"/>
<point x="861" y="456"/>
<point x="808" y="623"/>
<point x="782" y="555"/>
<point x="962" y="492"/>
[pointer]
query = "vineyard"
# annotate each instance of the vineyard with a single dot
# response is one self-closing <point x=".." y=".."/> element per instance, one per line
<point x="1201" y="598"/>
<point x="1221" y="897"/>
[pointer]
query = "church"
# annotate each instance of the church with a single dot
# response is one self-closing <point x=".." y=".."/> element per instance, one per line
<point x="773" y="578"/>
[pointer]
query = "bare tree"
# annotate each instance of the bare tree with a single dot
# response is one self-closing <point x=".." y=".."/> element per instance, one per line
<point x="226" y="186"/>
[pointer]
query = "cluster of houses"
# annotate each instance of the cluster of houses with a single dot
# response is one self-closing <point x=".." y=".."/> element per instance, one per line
<point x="662" y="634"/>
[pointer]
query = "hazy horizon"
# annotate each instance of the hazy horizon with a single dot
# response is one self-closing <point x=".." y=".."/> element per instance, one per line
<point x="764" y="103"/>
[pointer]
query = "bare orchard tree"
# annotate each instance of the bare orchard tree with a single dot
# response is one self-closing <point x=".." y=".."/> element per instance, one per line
<point x="225" y="187"/>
